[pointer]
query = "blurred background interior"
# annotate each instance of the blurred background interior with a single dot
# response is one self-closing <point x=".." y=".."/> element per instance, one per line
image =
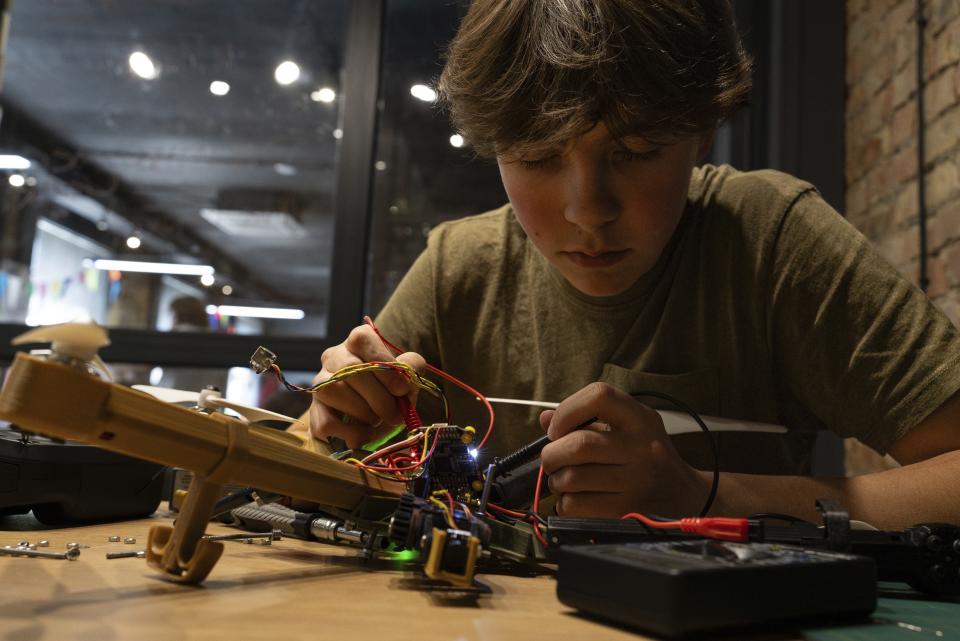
<point x="205" y="177"/>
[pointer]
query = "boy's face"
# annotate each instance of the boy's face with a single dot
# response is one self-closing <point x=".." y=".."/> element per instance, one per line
<point x="601" y="210"/>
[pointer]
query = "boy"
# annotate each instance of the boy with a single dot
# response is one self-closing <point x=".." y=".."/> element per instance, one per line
<point x="620" y="267"/>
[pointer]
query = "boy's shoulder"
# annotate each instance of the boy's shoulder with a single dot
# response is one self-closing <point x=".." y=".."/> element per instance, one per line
<point x="482" y="235"/>
<point x="745" y="193"/>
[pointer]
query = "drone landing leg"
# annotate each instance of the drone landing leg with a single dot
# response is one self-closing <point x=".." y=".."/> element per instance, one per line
<point x="179" y="551"/>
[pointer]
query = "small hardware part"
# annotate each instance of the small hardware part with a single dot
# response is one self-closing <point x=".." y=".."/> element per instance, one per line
<point x="130" y="540"/>
<point x="262" y="359"/>
<point x="73" y="546"/>
<point x="273" y="535"/>
<point x="43" y="543"/>
<point x="71" y="555"/>
<point x="135" y="554"/>
<point x="23" y="544"/>
<point x="114" y="539"/>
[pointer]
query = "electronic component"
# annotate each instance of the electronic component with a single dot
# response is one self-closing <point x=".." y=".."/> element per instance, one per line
<point x="262" y="359"/>
<point x="924" y="556"/>
<point x="451" y="467"/>
<point x="451" y="552"/>
<point x="675" y="588"/>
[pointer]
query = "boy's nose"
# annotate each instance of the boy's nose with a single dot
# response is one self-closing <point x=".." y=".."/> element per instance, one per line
<point x="591" y="203"/>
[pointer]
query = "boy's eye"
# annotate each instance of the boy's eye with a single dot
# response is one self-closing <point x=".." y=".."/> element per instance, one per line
<point x="537" y="163"/>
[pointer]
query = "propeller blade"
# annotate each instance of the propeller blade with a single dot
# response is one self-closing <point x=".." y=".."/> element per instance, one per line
<point x="252" y="414"/>
<point x="80" y="340"/>
<point x="170" y="395"/>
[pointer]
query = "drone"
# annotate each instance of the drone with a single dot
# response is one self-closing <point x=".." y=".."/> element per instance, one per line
<point x="421" y="489"/>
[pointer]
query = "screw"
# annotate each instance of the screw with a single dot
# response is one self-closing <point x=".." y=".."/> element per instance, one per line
<point x="129" y="540"/>
<point x="274" y="535"/>
<point x="137" y="554"/>
<point x="266" y="542"/>
<point x="23" y="544"/>
<point x="43" y="543"/>
<point x="114" y="539"/>
<point x="71" y="555"/>
<point x="73" y="546"/>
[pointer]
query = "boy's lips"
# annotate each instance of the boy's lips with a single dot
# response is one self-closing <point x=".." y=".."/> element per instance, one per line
<point x="595" y="259"/>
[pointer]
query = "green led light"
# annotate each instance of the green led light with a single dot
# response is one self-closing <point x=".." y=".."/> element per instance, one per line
<point x="383" y="440"/>
<point x="405" y="555"/>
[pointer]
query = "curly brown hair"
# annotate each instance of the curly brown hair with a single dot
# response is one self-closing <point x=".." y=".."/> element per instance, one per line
<point x="526" y="76"/>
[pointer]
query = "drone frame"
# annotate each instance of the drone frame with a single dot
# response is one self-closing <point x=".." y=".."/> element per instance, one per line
<point x="58" y="400"/>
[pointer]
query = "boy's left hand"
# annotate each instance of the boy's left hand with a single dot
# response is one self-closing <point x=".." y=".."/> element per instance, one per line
<point x="624" y="462"/>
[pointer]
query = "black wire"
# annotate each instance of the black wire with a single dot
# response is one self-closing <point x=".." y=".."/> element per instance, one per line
<point x="776" y="516"/>
<point x="715" y="485"/>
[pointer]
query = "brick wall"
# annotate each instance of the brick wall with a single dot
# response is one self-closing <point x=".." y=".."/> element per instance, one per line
<point x="881" y="144"/>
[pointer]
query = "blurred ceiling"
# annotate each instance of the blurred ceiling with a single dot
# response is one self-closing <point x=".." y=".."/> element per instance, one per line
<point x="164" y="149"/>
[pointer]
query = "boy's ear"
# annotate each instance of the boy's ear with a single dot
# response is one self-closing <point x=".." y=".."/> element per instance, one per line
<point x="706" y="142"/>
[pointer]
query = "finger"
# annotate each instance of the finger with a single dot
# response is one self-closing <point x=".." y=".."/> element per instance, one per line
<point x="610" y="405"/>
<point x="325" y="423"/>
<point x="343" y="398"/>
<point x="545" y="417"/>
<point x="593" y="477"/>
<point x="591" y="504"/>
<point x="397" y="383"/>
<point x="586" y="446"/>
<point x="377" y="399"/>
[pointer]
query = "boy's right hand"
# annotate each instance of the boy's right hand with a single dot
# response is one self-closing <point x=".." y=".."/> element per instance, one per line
<point x="361" y="406"/>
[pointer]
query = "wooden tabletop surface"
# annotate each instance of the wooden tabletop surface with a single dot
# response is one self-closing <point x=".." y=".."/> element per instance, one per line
<point x="289" y="590"/>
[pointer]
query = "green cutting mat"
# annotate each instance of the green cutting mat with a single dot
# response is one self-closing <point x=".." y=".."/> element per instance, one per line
<point x="896" y="620"/>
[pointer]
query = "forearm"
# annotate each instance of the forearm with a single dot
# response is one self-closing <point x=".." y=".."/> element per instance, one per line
<point x="892" y="499"/>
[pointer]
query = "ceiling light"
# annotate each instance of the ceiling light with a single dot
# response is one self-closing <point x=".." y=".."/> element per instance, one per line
<point x="133" y="242"/>
<point x="287" y="72"/>
<point x="175" y="269"/>
<point x="142" y="65"/>
<point x="206" y="280"/>
<point x="227" y="290"/>
<point x="219" y="88"/>
<point x="12" y="161"/>
<point x="256" y="312"/>
<point x="338" y="133"/>
<point x="16" y="180"/>
<point x="423" y="92"/>
<point x="31" y="181"/>
<point x="456" y="140"/>
<point x="380" y="165"/>
<point x="284" y="169"/>
<point x="324" y="94"/>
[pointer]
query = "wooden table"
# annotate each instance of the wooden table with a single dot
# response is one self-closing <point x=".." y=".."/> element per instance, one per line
<point x="286" y="591"/>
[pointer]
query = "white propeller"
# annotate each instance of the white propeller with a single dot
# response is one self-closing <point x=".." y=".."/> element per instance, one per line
<point x="676" y="422"/>
<point x="209" y="399"/>
<point x="70" y="340"/>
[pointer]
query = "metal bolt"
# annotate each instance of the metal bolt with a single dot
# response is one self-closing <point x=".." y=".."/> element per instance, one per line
<point x="71" y="555"/>
<point x="248" y="541"/>
<point x="274" y="535"/>
<point x="73" y="546"/>
<point x="129" y="540"/>
<point x="113" y="539"/>
<point x="43" y="543"/>
<point x="137" y="554"/>
<point x="23" y="544"/>
<point x="266" y="542"/>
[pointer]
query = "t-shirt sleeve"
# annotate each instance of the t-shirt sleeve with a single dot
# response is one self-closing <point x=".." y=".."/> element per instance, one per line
<point x="857" y="344"/>
<point x="408" y="320"/>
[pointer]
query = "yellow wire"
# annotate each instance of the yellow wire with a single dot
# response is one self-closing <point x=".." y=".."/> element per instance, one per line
<point x="446" y="512"/>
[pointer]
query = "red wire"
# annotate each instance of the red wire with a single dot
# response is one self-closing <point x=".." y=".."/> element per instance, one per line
<point x="440" y="372"/>
<point x="536" y="508"/>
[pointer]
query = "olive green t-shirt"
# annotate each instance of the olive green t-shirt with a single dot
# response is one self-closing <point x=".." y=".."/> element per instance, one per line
<point x="766" y="305"/>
